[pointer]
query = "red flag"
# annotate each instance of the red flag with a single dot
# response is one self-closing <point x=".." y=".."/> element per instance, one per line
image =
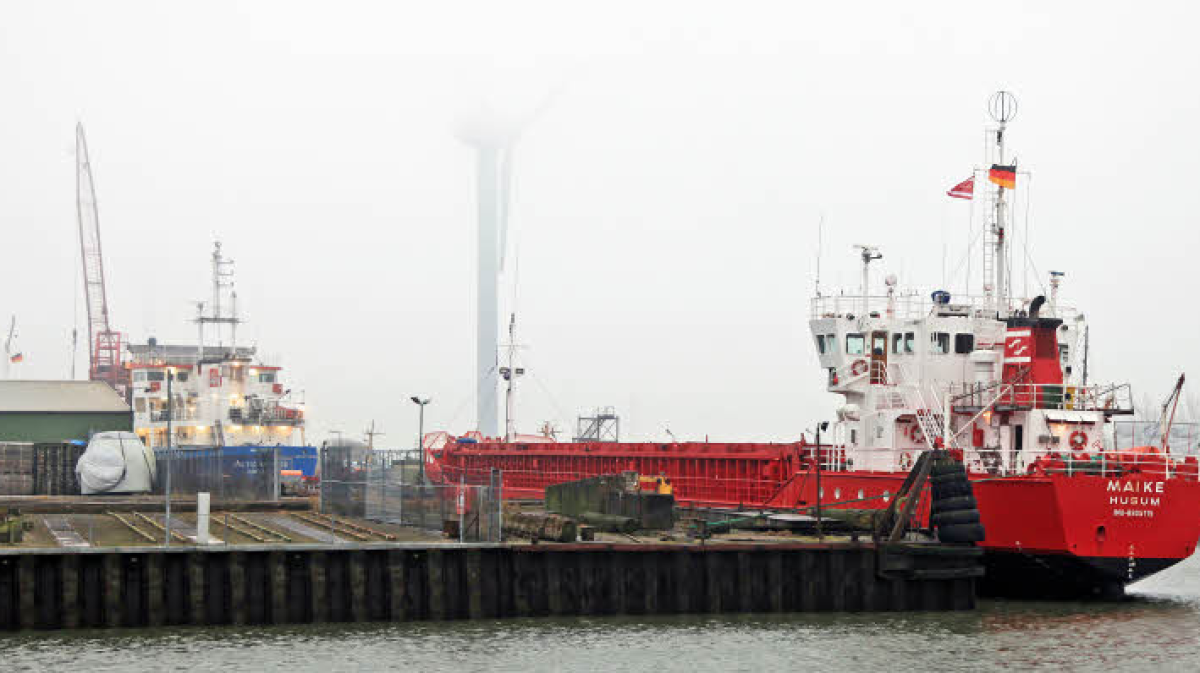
<point x="963" y="190"/>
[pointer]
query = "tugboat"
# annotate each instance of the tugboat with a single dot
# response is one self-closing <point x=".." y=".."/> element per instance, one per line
<point x="997" y="381"/>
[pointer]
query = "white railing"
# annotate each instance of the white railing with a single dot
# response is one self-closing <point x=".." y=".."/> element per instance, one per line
<point x="1108" y="398"/>
<point x="999" y="463"/>
<point x="913" y="305"/>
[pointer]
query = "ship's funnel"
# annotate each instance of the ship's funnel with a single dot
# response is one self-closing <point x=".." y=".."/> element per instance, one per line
<point x="1035" y="306"/>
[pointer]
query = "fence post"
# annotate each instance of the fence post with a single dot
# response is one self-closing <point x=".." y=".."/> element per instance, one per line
<point x="275" y="471"/>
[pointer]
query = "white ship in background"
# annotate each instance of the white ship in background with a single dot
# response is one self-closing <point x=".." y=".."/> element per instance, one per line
<point x="217" y="394"/>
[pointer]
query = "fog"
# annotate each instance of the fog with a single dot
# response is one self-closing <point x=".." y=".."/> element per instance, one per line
<point x="665" y="206"/>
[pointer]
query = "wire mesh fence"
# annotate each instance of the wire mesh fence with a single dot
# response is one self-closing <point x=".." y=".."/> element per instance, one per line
<point x="385" y="486"/>
<point x="234" y="472"/>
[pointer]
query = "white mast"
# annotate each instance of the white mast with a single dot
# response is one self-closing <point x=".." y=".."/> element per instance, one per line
<point x="1003" y="108"/>
<point x="222" y="277"/>
<point x="510" y="374"/>
<point x="870" y="253"/>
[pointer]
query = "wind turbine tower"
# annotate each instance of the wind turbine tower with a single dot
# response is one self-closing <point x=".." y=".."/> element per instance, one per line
<point x="494" y="140"/>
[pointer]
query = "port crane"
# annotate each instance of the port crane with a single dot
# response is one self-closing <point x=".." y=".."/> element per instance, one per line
<point x="104" y="343"/>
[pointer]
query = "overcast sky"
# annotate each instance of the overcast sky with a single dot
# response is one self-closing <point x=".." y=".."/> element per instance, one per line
<point x="666" y="204"/>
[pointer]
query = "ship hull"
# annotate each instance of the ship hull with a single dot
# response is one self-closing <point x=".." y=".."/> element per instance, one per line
<point x="1047" y="536"/>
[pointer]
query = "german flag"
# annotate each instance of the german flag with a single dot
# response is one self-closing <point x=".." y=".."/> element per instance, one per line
<point x="1005" y="176"/>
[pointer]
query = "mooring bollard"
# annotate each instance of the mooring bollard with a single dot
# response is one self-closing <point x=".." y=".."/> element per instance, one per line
<point x="202" y="507"/>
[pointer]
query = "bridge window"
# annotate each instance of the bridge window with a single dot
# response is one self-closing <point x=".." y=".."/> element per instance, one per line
<point x="269" y="377"/>
<point x="964" y="343"/>
<point x="910" y="342"/>
<point x="156" y="376"/>
<point x="897" y="343"/>
<point x="855" y="344"/>
<point x="821" y="344"/>
<point x="939" y="343"/>
<point x="831" y="342"/>
<point x="181" y="376"/>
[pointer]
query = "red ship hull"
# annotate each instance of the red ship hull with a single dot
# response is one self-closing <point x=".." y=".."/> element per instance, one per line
<point x="1048" y="536"/>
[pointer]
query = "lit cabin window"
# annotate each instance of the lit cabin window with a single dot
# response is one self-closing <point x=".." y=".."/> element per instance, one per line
<point x="964" y="343"/>
<point x="855" y="344"/>
<point x="910" y="342"/>
<point x="269" y="377"/>
<point x="939" y="343"/>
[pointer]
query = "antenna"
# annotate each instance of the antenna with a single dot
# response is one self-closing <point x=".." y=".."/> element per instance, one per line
<point x="1002" y="106"/>
<point x="820" y="230"/>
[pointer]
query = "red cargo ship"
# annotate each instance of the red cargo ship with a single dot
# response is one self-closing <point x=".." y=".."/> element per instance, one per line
<point x="1069" y="506"/>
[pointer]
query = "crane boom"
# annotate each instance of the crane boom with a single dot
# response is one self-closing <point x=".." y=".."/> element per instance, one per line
<point x="1168" y="413"/>
<point x="104" y="343"/>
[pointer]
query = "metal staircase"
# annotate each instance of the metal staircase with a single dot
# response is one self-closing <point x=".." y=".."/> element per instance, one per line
<point x="930" y="416"/>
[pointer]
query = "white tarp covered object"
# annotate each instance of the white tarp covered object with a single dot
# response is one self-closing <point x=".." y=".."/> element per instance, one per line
<point x="116" y="462"/>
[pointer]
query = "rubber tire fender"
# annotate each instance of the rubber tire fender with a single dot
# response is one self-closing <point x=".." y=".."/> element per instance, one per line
<point x="942" y="467"/>
<point x="962" y="532"/>
<point x="955" y="517"/>
<point x="954" y="504"/>
<point x="952" y="490"/>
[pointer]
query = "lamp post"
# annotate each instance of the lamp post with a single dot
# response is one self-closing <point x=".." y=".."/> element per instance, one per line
<point x="820" y="426"/>
<point x="421" y="432"/>
<point x="170" y="442"/>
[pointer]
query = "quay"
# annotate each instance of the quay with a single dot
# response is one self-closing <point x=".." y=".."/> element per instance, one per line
<point x="65" y="588"/>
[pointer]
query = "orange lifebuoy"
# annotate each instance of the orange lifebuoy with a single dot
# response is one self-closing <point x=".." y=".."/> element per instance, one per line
<point x="858" y="368"/>
<point x="1079" y="440"/>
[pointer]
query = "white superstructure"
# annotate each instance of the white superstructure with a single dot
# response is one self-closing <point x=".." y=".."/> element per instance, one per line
<point x="1000" y="378"/>
<point x="217" y="394"/>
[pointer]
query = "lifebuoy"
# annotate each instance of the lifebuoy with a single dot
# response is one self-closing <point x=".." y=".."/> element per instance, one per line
<point x="906" y="460"/>
<point x="858" y="368"/>
<point x="916" y="435"/>
<point x="1079" y="440"/>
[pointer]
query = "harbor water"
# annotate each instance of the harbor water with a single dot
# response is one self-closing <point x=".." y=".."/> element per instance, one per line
<point x="1156" y="628"/>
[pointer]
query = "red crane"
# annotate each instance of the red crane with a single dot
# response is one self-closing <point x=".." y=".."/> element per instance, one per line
<point x="104" y="343"/>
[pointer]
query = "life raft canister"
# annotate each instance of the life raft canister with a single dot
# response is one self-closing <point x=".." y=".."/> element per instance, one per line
<point x="1078" y="440"/>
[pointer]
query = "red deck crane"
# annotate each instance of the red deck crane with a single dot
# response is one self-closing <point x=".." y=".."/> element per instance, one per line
<point x="104" y="343"/>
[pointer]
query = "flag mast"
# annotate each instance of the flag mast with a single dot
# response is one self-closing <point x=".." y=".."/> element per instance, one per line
<point x="1003" y="108"/>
